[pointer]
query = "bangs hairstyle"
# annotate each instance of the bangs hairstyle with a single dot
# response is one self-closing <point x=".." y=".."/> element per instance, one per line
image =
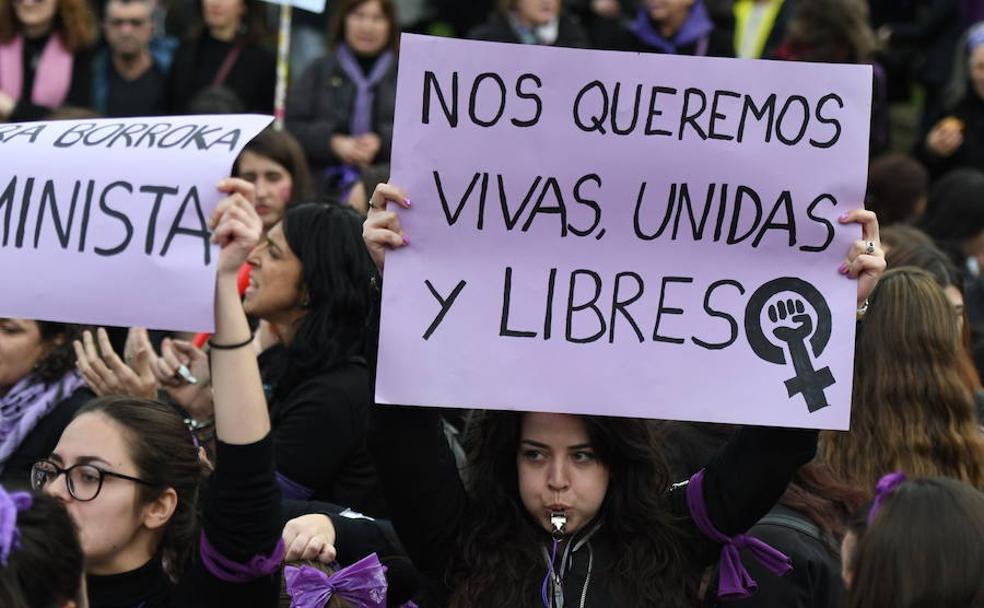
<point x="162" y="450"/>
<point x="336" y="27"/>
<point x="925" y="548"/>
<point x="45" y="568"/>
<point x="336" y="275"/>
<point x="74" y="22"/>
<point x="913" y="409"/>
<point x="283" y="149"/>
<point x="500" y="561"/>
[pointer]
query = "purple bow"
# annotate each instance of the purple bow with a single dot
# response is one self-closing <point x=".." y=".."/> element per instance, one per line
<point x="10" y="504"/>
<point x="363" y="584"/>
<point x="885" y="488"/>
<point x="735" y="582"/>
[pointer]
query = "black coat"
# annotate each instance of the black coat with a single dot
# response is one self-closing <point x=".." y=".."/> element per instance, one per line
<point x="252" y="78"/>
<point x="497" y="29"/>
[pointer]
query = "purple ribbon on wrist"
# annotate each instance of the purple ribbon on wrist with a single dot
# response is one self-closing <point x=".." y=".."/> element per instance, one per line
<point x="734" y="581"/>
<point x="229" y="571"/>
<point x="363" y="584"/>
<point x="885" y="488"/>
<point x="10" y="505"/>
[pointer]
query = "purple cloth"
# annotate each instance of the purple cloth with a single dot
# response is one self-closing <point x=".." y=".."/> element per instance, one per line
<point x="291" y="490"/>
<point x="26" y="404"/>
<point x="363" y="584"/>
<point x="735" y="582"/>
<point x="365" y="86"/>
<point x="229" y="571"/>
<point x="10" y="505"/>
<point x="695" y="29"/>
<point x="885" y="488"/>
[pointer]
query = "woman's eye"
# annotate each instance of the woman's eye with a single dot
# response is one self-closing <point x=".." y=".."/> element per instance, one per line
<point x="273" y="178"/>
<point x="584" y="456"/>
<point x="533" y="455"/>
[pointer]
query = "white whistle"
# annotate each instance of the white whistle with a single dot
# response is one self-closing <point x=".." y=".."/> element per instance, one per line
<point x="558" y="521"/>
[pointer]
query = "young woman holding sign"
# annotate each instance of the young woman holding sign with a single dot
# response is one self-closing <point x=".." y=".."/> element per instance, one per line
<point x="577" y="509"/>
<point x="130" y="475"/>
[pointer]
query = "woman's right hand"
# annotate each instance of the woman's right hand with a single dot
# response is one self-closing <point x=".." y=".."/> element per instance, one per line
<point x="381" y="230"/>
<point x="196" y="399"/>
<point x="945" y="138"/>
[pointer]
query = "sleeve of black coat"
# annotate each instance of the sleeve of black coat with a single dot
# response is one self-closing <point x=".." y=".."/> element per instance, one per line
<point x="312" y="128"/>
<point x="420" y="477"/>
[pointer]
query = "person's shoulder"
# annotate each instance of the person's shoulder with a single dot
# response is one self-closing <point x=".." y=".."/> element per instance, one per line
<point x="496" y="29"/>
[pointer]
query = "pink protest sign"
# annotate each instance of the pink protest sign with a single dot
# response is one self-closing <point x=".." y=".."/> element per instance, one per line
<point x="624" y="234"/>
<point x="105" y="221"/>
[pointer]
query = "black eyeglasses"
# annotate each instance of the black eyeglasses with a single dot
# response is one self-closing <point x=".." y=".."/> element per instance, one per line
<point x="84" y="481"/>
<point x="134" y="23"/>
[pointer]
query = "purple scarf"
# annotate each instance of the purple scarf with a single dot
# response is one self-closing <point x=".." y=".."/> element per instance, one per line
<point x="26" y="404"/>
<point x="735" y="582"/>
<point x="365" y="95"/>
<point x="695" y="29"/>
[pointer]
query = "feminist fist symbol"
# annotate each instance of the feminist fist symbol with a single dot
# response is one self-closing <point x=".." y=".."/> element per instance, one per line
<point x="807" y="381"/>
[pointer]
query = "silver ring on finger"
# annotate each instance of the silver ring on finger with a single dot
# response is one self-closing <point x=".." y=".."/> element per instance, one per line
<point x="372" y="205"/>
<point x="870" y="249"/>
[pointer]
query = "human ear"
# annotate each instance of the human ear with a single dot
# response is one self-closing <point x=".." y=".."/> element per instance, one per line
<point x="158" y="512"/>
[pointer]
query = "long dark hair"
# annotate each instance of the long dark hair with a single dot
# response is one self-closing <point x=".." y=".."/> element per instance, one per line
<point x="283" y="149"/>
<point x="162" y="450"/>
<point x="500" y="561"/>
<point x="925" y="548"/>
<point x="336" y="28"/>
<point x="45" y="567"/>
<point x="829" y="502"/>
<point x="337" y="275"/>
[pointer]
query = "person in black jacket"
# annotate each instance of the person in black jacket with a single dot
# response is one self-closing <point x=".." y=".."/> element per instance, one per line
<point x="224" y="53"/>
<point x="677" y="27"/>
<point x="40" y="391"/>
<point x="572" y="509"/>
<point x="44" y="57"/>
<point x="130" y="476"/>
<point x="341" y="108"/>
<point x="532" y="22"/>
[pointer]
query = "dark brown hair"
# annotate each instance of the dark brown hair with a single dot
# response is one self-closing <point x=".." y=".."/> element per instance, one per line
<point x="44" y="569"/>
<point x="831" y="30"/>
<point x="896" y="185"/>
<point x="912" y="408"/>
<point x="74" y="22"/>
<point x="499" y="560"/>
<point x="925" y="548"/>
<point x="336" y="28"/>
<point x="829" y="502"/>
<point x="164" y="454"/>
<point x="60" y="357"/>
<point x="283" y="149"/>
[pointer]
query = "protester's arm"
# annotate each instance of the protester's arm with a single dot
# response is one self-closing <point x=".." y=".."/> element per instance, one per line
<point x="304" y="119"/>
<point x="420" y="477"/>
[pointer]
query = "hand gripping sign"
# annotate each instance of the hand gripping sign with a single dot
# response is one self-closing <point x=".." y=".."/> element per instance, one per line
<point x="624" y="234"/>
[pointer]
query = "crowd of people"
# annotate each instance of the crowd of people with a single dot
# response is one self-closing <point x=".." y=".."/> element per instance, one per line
<point x="251" y="467"/>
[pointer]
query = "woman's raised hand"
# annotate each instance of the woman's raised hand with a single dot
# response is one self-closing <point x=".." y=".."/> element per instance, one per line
<point x="195" y="397"/>
<point x="107" y="374"/>
<point x="381" y="230"/>
<point x="866" y="259"/>
<point x="235" y="225"/>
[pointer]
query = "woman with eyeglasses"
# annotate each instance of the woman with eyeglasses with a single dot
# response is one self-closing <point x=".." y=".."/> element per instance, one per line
<point x="44" y="59"/>
<point x="130" y="476"/>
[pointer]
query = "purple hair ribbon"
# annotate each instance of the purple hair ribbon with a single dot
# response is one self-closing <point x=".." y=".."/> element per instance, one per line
<point x="885" y="488"/>
<point x="229" y="571"/>
<point x="734" y="581"/>
<point x="363" y="584"/>
<point x="10" y="505"/>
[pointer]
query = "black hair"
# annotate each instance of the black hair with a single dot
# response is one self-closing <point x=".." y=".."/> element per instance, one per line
<point x="955" y="213"/>
<point x="337" y="275"/>
<point x="44" y="569"/>
<point x="60" y="358"/>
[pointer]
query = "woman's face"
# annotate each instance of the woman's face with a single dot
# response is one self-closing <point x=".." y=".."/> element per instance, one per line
<point x="112" y="526"/>
<point x="274" y="292"/>
<point x="977" y="70"/>
<point x="21" y="348"/>
<point x="668" y="10"/>
<point x="35" y="14"/>
<point x="537" y="12"/>
<point x="223" y="14"/>
<point x="559" y="470"/>
<point x="957" y="301"/>
<point x="366" y="28"/>
<point x="273" y="186"/>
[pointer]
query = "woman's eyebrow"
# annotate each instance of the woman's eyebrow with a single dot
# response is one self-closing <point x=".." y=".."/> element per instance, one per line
<point x="535" y="444"/>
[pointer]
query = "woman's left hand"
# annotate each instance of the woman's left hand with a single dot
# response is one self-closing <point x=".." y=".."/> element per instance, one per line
<point x="107" y="374"/>
<point x="866" y="259"/>
<point x="236" y="226"/>
<point x="310" y="537"/>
